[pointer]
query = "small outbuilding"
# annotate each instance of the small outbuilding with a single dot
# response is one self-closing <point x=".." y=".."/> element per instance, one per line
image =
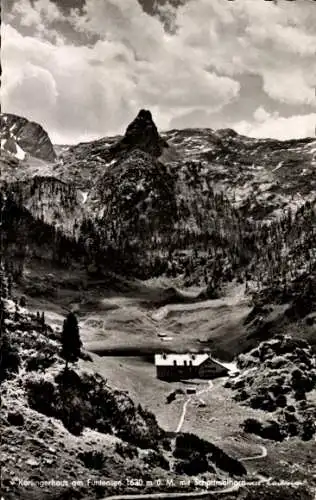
<point x="188" y="366"/>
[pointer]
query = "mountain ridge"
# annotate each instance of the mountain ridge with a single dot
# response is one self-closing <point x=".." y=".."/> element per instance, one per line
<point x="211" y="208"/>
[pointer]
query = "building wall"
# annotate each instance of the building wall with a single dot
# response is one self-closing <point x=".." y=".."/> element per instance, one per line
<point x="207" y="370"/>
<point x="176" y="372"/>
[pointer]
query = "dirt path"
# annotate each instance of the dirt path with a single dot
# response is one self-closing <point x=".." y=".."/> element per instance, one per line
<point x="263" y="454"/>
<point x="184" y="409"/>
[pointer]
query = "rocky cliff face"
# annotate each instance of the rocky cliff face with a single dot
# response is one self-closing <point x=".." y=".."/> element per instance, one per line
<point x="19" y="137"/>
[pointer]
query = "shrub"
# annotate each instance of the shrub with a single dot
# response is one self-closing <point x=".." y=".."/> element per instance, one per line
<point x="87" y="401"/>
<point x="42" y="396"/>
<point x="263" y="402"/>
<point x="252" y="426"/>
<point x="299" y="394"/>
<point x="9" y="357"/>
<point x="196" y="464"/>
<point x="289" y="416"/>
<point x="92" y="459"/>
<point x="242" y="396"/>
<point x="272" y="430"/>
<point x="126" y="450"/>
<point x="292" y="429"/>
<point x="15" y="418"/>
<point x="281" y="401"/>
<point x="166" y="444"/>
<point x="22" y="301"/>
<point x="170" y="398"/>
<point x="290" y="408"/>
<point x="155" y="459"/>
<point x="308" y="429"/>
<point x="187" y="444"/>
<point x="39" y="362"/>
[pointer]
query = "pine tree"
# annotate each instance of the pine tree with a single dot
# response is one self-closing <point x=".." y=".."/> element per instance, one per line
<point x="71" y="343"/>
<point x="42" y="321"/>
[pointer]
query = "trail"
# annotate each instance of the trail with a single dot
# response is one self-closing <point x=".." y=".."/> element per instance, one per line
<point x="184" y="409"/>
<point x="263" y="454"/>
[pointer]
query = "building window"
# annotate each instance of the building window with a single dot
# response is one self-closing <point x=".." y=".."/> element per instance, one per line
<point x="190" y="362"/>
<point x="185" y="362"/>
<point x="174" y="362"/>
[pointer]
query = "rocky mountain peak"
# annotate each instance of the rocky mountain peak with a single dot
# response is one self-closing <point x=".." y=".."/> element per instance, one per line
<point x="20" y="137"/>
<point x="142" y="134"/>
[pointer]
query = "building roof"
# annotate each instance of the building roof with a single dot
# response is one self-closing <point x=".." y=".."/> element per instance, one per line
<point x="181" y="359"/>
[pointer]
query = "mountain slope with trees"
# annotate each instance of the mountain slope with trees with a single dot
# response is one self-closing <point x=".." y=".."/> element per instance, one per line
<point x="199" y="206"/>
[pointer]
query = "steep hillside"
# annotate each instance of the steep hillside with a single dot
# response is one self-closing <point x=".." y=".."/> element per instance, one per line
<point x="25" y="238"/>
<point x="51" y="200"/>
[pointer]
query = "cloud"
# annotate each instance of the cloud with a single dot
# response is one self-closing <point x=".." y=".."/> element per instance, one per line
<point x="267" y="124"/>
<point x="135" y="63"/>
<point x="36" y="12"/>
<point x="71" y="95"/>
<point x="275" y="41"/>
<point x="79" y="90"/>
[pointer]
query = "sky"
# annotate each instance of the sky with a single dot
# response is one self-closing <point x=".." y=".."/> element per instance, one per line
<point x="84" y="68"/>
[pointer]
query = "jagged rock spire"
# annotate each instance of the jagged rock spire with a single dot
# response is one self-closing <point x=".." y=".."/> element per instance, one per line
<point x="142" y="134"/>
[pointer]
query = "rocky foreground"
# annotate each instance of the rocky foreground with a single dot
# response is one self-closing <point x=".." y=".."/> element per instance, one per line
<point x="279" y="377"/>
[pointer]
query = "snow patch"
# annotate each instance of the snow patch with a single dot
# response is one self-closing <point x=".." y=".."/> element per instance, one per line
<point x="279" y="165"/>
<point x="20" y="153"/>
<point x="84" y="195"/>
<point x="108" y="164"/>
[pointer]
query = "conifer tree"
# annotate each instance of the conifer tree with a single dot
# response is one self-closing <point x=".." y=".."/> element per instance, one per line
<point x="71" y="343"/>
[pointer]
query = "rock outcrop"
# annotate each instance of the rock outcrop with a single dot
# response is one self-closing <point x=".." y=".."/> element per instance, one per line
<point x="277" y="377"/>
<point x="141" y="134"/>
<point x="20" y="136"/>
